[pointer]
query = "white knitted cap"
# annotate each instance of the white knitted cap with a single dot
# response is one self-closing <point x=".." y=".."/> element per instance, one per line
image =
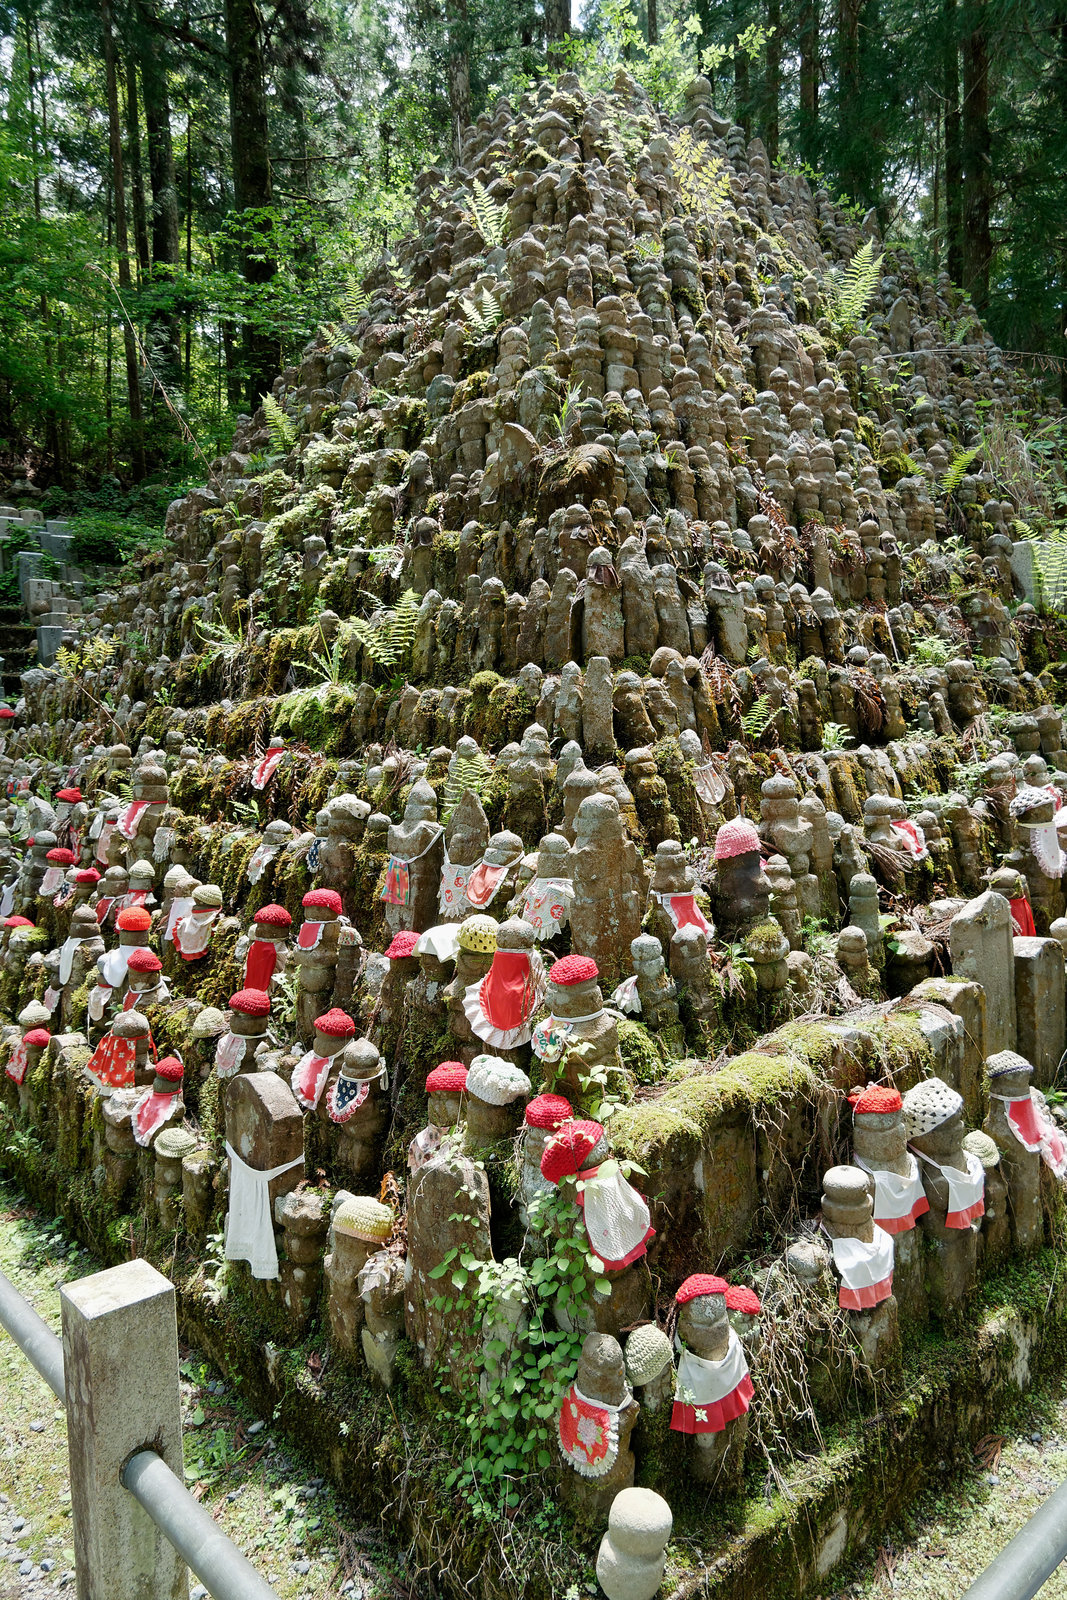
<point x="928" y="1105"/>
<point x="648" y="1353"/>
<point x="1006" y="1061"/>
<point x="496" y="1081"/>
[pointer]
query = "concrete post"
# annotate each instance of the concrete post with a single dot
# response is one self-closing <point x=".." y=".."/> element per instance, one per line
<point x="120" y="1352"/>
<point x="1039" y="1006"/>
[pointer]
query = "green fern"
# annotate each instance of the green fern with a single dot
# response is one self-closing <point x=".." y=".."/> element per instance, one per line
<point x="1050" y="559"/>
<point x="933" y="651"/>
<point x="961" y="464"/>
<point x="758" y="718"/>
<point x="467" y="772"/>
<point x="851" y="294"/>
<point x="354" y="301"/>
<point x="388" y="637"/>
<point x="489" y="216"/>
<point x="485" y="315"/>
<point x="835" y="736"/>
<point x="281" y="430"/>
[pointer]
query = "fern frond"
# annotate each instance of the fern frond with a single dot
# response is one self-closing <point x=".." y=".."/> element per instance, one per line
<point x="281" y="430"/>
<point x="354" y="301"/>
<point x="489" y="216"/>
<point x="466" y="772"/>
<point x="1050" y="559"/>
<point x="758" y="718"/>
<point x="854" y="289"/>
<point x="953" y="476"/>
<point x="485" y="316"/>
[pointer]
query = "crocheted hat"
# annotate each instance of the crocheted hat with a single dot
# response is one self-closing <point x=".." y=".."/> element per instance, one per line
<point x="928" y="1105"/>
<point x="60" y="857"/>
<point x="170" y="1069"/>
<point x="648" y="1353"/>
<point x="548" y="1111"/>
<point x="364" y="1218"/>
<point x="144" y="960"/>
<point x="133" y="919"/>
<point x="569" y="1149"/>
<point x="876" y="1100"/>
<point x="71" y="795"/>
<point x="273" y="917"/>
<point x="87" y="875"/>
<point x="208" y="1023"/>
<point x="569" y="970"/>
<point x="335" y="1024"/>
<point x="449" y="1078"/>
<point x="37" y="1037"/>
<point x="1006" y="1061"/>
<point x="207" y="897"/>
<point x="496" y="1081"/>
<point x="250" y="1002"/>
<point x="402" y="945"/>
<point x="17" y="922"/>
<point x="735" y="838"/>
<point x="478" y="933"/>
<point x="323" y="899"/>
<point x="739" y="1298"/>
<point x="981" y="1145"/>
<point x="1026" y="798"/>
<point x="700" y="1283"/>
<point x="6" y="712"/>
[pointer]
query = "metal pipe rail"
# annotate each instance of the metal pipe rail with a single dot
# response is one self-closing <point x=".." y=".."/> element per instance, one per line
<point x="192" y="1531"/>
<point x="1029" y="1560"/>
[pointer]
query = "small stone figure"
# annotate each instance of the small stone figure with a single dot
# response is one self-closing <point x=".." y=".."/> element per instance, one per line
<point x="863" y="1258"/>
<point x="496" y="1093"/>
<point x="713" y="1389"/>
<point x="356" y="1100"/>
<point x="162" y="1103"/>
<point x="742" y="893"/>
<point x="954" y="1180"/>
<point x="500" y="1006"/>
<point x="268" y="947"/>
<point x="1025" y="1134"/>
<point x="359" y="1226"/>
<point x="673" y="895"/>
<point x="578" y="1036"/>
<point x="594" y="1425"/>
<point x="632" y="1556"/>
<point x="332" y="1031"/>
<point x="881" y="1150"/>
<point x="249" y="1020"/>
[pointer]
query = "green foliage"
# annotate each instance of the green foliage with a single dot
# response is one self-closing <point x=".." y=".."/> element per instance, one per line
<point x="961" y="464"/>
<point x="835" y="736"/>
<point x="484" y="314"/>
<point x="932" y="651"/>
<point x="388" y="637"/>
<point x="281" y="430"/>
<point x="465" y="772"/>
<point x="559" y="423"/>
<point x="758" y="718"/>
<point x="853" y="290"/>
<point x="489" y="216"/>
<point x="354" y="301"/>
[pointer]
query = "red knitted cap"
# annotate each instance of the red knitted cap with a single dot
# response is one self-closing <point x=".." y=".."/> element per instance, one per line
<point x="61" y="857"/>
<point x="36" y="1036"/>
<point x="337" y="1024"/>
<point x="569" y="970"/>
<point x="700" y="1283"/>
<point x="569" y="1149"/>
<point x="877" y="1097"/>
<point x="73" y="795"/>
<point x="736" y="838"/>
<point x="133" y="919"/>
<point x="6" y="711"/>
<point x="327" y="899"/>
<point x="87" y="875"/>
<point x="403" y="945"/>
<point x="250" y="1002"/>
<point x="449" y="1078"/>
<point x="144" y="960"/>
<point x="738" y="1298"/>
<point x="548" y="1111"/>
<point x="274" y="916"/>
<point x="17" y="922"/>
<point x="170" y="1068"/>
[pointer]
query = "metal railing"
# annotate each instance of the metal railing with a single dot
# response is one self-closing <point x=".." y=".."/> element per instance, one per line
<point x="1030" y="1559"/>
<point x="164" y="1501"/>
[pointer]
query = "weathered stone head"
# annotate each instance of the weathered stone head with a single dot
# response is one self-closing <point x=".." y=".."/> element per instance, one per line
<point x="742" y="892"/>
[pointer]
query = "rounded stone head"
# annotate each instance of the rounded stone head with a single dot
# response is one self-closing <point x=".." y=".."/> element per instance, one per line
<point x="553" y="857"/>
<point x="360" y="1059"/>
<point x="647" y="955"/>
<point x="602" y="1370"/>
<point x="515" y="934"/>
<point x="1008" y="1074"/>
<point x="503" y="850"/>
<point x="703" y="1323"/>
<point x="670" y="871"/>
<point x="422" y="803"/>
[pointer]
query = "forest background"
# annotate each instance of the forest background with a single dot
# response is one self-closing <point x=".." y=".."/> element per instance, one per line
<point x="188" y="190"/>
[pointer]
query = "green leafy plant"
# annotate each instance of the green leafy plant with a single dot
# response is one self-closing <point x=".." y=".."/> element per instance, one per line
<point x="835" y="736"/>
<point x="559" y="423"/>
<point x="281" y="430"/>
<point x="489" y="216"/>
<point x="853" y="290"/>
<point x="388" y="637"/>
<point x="354" y="301"/>
<point x="758" y="718"/>
<point x="931" y="651"/>
<point x="465" y="772"/>
<point x="485" y="314"/>
<point x="961" y="464"/>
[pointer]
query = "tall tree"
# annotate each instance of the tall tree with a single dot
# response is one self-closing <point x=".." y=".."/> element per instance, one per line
<point x="977" y="250"/>
<point x="953" y="143"/>
<point x="166" y="217"/>
<point x="122" y="246"/>
<point x="252" y="188"/>
<point x="136" y="172"/>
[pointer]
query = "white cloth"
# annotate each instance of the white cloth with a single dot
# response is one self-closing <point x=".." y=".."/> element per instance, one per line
<point x="860" y="1265"/>
<point x="51" y="881"/>
<point x="895" y="1196"/>
<point x="179" y="908"/>
<point x="114" y="963"/>
<point x="249" y="1225"/>
<point x="965" y="1189"/>
<point x="99" y="995"/>
<point x="700" y="1382"/>
<point x="7" y="900"/>
<point x="617" y="1220"/>
<point x="193" y="932"/>
<point x="229" y="1053"/>
<point x="627" y="998"/>
<point x="66" y="958"/>
<point x="546" y="905"/>
<point x="441" y="941"/>
<point x="1045" y="844"/>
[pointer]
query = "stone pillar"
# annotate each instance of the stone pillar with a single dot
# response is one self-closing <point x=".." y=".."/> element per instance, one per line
<point x="980" y="939"/>
<point x="120" y="1354"/>
<point x="1039" y="1005"/>
<point x="1008" y="1076"/>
